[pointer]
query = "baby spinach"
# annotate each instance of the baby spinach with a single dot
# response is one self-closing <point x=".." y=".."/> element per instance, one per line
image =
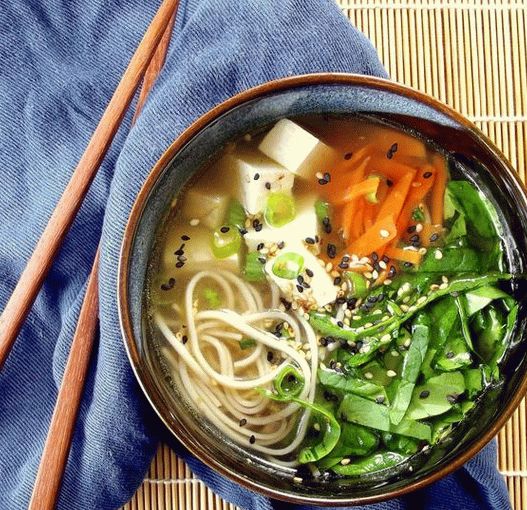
<point x="401" y="444"/>
<point x="436" y="396"/>
<point x="410" y="369"/>
<point x="373" y="463"/>
<point x="333" y="380"/>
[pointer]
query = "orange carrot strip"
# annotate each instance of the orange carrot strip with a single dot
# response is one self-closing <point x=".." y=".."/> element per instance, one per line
<point x="368" y="185"/>
<point x="380" y="234"/>
<point x="418" y="191"/>
<point x="346" y="217"/>
<point x="356" y="222"/>
<point x="387" y="167"/>
<point x="438" y="191"/>
<point x="412" y="256"/>
<point x="396" y="197"/>
<point x="368" y="219"/>
<point x="428" y="231"/>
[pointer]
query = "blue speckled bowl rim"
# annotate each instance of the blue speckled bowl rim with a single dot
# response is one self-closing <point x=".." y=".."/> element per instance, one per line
<point x="143" y="375"/>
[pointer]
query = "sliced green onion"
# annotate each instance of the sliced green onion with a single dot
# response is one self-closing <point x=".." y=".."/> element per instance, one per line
<point x="235" y="214"/>
<point x="321" y="209"/>
<point x="288" y="265"/>
<point x="253" y="270"/>
<point x="372" y="196"/>
<point x="247" y="343"/>
<point x="418" y="214"/>
<point x="212" y="297"/>
<point x="359" y="286"/>
<point x="289" y="382"/>
<point x="226" y="241"/>
<point x="279" y="210"/>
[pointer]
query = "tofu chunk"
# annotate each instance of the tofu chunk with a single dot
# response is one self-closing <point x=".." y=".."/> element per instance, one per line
<point x="197" y="251"/>
<point x="258" y="176"/>
<point x="297" y="149"/>
<point x="208" y="206"/>
<point x="293" y="233"/>
<point x="321" y="290"/>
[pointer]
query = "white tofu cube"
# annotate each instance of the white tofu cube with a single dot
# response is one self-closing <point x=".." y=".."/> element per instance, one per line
<point x="208" y="206"/>
<point x="196" y="250"/>
<point x="297" y="149"/>
<point x="304" y="225"/>
<point x="321" y="290"/>
<point x="258" y="176"/>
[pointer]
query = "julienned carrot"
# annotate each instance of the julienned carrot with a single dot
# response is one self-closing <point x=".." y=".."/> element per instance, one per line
<point x="346" y="219"/>
<point x="380" y="234"/>
<point x="412" y="256"/>
<point x="438" y="191"/>
<point x="356" y="225"/>
<point x="392" y="170"/>
<point x="394" y="201"/>
<point x="419" y="188"/>
<point x="368" y="218"/>
<point x="364" y="187"/>
<point x="431" y="234"/>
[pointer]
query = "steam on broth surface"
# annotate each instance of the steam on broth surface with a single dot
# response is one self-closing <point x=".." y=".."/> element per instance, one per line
<point x="328" y="295"/>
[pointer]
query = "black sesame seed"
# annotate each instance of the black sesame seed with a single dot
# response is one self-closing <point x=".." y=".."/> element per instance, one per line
<point x="374" y="256"/>
<point x="300" y="279"/>
<point x="380" y="297"/>
<point x="300" y="288"/>
<point x="364" y="307"/>
<point x="340" y="300"/>
<point x="332" y="364"/>
<point x="256" y="177"/>
<point x="327" y="176"/>
<point x="330" y="339"/>
<point x="256" y="222"/>
<point x="377" y="267"/>
<point x="327" y="228"/>
<point x="323" y="341"/>
<point x="392" y="272"/>
<point x="337" y="280"/>
<point x="184" y="339"/>
<point x="434" y="237"/>
<point x="325" y="220"/>
<point x="344" y="265"/>
<point x="379" y="399"/>
<point x="331" y="250"/>
<point x="411" y="229"/>
<point x="185" y="238"/>
<point x="427" y="175"/>
<point x="306" y="285"/>
<point x="261" y="260"/>
<point x="345" y="258"/>
<point x="243" y="231"/>
<point x="309" y="273"/>
<point x="180" y="264"/>
<point x="168" y="285"/>
<point x="252" y="440"/>
<point x="424" y="394"/>
<point x="385" y="259"/>
<point x="224" y="230"/>
<point x="291" y="378"/>
<point x="352" y="302"/>
<point x="450" y="354"/>
<point x="322" y="182"/>
<point x="309" y="240"/>
<point x="267" y="185"/>
<point x="340" y="324"/>
<point x="258" y="227"/>
<point x="408" y="264"/>
<point x="389" y="183"/>
<point x="415" y="238"/>
<point x="317" y="239"/>
<point x="348" y="155"/>
<point x="287" y="304"/>
<point x="270" y="356"/>
<point x="243" y="422"/>
<point x="260" y="246"/>
<point x="280" y="245"/>
<point x="372" y="299"/>
<point x="452" y="399"/>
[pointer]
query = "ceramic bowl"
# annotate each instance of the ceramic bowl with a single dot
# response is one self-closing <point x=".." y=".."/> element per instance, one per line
<point x="326" y="94"/>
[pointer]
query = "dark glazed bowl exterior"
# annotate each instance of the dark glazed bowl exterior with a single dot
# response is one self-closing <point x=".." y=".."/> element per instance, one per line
<point x="327" y="94"/>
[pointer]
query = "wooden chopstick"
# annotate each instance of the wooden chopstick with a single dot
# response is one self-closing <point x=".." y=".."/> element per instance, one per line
<point x="60" y="434"/>
<point x="62" y="217"/>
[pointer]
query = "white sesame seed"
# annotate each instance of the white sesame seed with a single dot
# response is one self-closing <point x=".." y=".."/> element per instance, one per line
<point x="406" y="299"/>
<point x="382" y="264"/>
<point x="316" y="426"/>
<point x="413" y="308"/>
<point x="384" y="233"/>
<point x="319" y="175"/>
<point x="368" y="375"/>
<point x="347" y="321"/>
<point x="365" y="349"/>
<point x="434" y="286"/>
<point x="368" y="275"/>
<point x="329" y="267"/>
<point x="438" y="254"/>
<point x="443" y="286"/>
<point x="376" y="312"/>
<point x="407" y="342"/>
<point x="356" y="317"/>
<point x="391" y="373"/>
<point x="444" y="279"/>
<point x="421" y="300"/>
<point x="194" y="222"/>
<point x="363" y="260"/>
<point x="322" y="366"/>
<point x="386" y="338"/>
<point x="387" y="281"/>
<point x="419" y="228"/>
<point x="375" y="275"/>
<point x="297" y="479"/>
<point x="345" y="462"/>
<point x="404" y="308"/>
<point x="422" y="250"/>
<point x="394" y="354"/>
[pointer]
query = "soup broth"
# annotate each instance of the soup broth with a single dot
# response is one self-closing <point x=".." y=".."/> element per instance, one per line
<point x="326" y="294"/>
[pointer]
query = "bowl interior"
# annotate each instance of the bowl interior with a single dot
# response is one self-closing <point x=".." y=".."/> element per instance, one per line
<point x="479" y="161"/>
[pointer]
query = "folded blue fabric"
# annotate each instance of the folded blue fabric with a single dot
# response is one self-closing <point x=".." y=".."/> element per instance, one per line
<point x="60" y="62"/>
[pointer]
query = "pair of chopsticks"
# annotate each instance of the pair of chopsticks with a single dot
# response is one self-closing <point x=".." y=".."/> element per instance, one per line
<point x="145" y="65"/>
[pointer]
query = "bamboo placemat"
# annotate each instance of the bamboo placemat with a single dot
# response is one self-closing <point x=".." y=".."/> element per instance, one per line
<point x="470" y="54"/>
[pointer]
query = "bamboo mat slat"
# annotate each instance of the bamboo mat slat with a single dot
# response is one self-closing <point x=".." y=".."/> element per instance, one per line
<point x="470" y="54"/>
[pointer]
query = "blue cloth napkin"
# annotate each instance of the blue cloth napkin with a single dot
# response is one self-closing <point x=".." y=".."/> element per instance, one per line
<point x="59" y="64"/>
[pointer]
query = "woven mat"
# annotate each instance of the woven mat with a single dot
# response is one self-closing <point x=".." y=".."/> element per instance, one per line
<point x="470" y="54"/>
